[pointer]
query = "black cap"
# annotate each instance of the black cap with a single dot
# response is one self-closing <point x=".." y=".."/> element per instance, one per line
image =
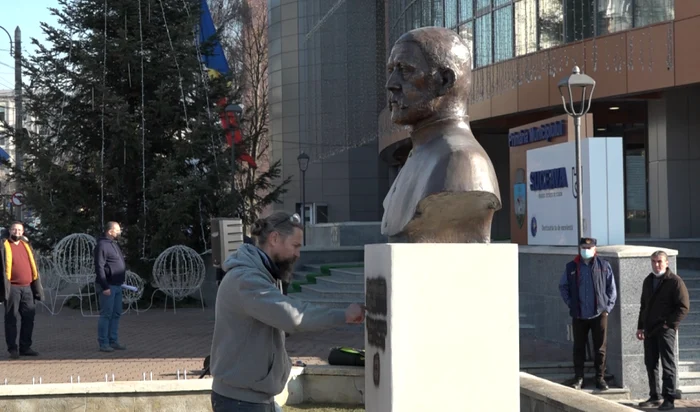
<point x="587" y="242"/>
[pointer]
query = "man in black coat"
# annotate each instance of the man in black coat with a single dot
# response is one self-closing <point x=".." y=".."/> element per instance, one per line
<point x="664" y="304"/>
<point x="110" y="270"/>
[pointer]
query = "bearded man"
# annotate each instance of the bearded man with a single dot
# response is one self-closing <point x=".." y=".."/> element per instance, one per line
<point x="249" y="362"/>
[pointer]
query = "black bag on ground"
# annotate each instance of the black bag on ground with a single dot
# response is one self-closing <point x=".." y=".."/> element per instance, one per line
<point x="346" y="356"/>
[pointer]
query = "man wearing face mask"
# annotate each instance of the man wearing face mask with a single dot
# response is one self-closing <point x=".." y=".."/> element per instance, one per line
<point x="588" y="289"/>
<point x="21" y="286"/>
<point x="664" y="304"/>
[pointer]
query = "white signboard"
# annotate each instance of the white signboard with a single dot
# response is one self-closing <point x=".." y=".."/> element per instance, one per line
<point x="551" y="193"/>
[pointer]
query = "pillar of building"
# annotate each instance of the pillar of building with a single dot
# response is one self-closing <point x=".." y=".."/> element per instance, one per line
<point x="674" y="164"/>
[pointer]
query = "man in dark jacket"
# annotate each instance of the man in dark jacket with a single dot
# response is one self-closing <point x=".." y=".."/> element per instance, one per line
<point x="21" y="286"/>
<point x="588" y="289"/>
<point x="664" y="304"/>
<point x="110" y="268"/>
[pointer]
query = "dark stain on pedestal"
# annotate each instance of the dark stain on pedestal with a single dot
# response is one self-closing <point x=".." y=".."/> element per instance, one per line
<point x="376" y="369"/>
<point x="377" y="309"/>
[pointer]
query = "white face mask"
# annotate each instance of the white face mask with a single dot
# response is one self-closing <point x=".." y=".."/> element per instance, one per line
<point x="658" y="274"/>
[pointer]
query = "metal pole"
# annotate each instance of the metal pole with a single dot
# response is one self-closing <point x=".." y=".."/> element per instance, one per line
<point x="233" y="174"/>
<point x="18" y="95"/>
<point x="303" y="203"/>
<point x="579" y="175"/>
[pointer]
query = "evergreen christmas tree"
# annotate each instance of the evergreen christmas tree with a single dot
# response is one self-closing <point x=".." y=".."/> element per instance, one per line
<point x="128" y="128"/>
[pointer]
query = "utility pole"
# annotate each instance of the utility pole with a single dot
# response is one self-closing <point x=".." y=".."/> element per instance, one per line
<point x="19" y="132"/>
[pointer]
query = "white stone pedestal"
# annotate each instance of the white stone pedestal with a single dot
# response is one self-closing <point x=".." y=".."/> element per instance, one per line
<point x="442" y="327"/>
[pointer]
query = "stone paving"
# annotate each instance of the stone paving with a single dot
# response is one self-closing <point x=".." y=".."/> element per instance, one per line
<point x="158" y="342"/>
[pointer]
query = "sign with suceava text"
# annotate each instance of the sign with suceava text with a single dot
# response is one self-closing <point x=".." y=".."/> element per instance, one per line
<point x="551" y="193"/>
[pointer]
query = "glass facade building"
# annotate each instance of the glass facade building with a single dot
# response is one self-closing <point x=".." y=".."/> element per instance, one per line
<point x="498" y="30"/>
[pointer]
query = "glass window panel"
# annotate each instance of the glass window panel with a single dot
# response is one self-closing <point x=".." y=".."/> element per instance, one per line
<point x="466" y="10"/>
<point x="497" y="3"/>
<point x="438" y="13"/>
<point x="525" y="27"/>
<point x="580" y="15"/>
<point x="451" y="13"/>
<point x="483" y="4"/>
<point x="415" y="13"/>
<point x="613" y="16"/>
<point x="653" y="11"/>
<point x="426" y="15"/>
<point x="466" y="31"/>
<point x="551" y="23"/>
<point x="503" y="33"/>
<point x="483" y="41"/>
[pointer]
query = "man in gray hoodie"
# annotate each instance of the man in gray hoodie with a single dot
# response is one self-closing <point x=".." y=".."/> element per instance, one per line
<point x="249" y="362"/>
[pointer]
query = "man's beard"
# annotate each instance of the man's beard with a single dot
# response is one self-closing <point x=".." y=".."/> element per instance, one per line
<point x="285" y="269"/>
<point x="15" y="238"/>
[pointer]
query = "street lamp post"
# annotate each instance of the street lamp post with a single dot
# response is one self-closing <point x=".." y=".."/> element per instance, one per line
<point x="568" y="86"/>
<point x="16" y="51"/>
<point x="237" y="111"/>
<point x="303" y="160"/>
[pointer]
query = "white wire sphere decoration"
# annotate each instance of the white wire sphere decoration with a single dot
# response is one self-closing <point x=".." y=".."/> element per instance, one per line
<point x="179" y="271"/>
<point x="132" y="279"/>
<point x="49" y="273"/>
<point x="74" y="257"/>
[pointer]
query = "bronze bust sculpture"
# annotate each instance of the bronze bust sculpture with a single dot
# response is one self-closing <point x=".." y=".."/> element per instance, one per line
<point x="447" y="191"/>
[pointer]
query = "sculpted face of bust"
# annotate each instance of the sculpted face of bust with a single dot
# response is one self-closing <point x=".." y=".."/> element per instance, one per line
<point x="429" y="71"/>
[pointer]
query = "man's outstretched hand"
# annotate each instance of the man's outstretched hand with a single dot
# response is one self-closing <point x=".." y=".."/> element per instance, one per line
<point x="355" y="313"/>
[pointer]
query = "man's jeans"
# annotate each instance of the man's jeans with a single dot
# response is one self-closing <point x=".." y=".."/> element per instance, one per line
<point x="110" y="312"/>
<point x="221" y="403"/>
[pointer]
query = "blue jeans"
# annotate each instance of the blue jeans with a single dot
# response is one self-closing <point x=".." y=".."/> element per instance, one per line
<point x="110" y="312"/>
<point x="221" y="403"/>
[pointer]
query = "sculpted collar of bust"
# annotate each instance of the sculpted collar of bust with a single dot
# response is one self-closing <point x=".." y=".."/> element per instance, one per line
<point x="429" y="74"/>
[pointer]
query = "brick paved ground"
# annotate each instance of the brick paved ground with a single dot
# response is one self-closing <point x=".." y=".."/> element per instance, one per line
<point x="158" y="342"/>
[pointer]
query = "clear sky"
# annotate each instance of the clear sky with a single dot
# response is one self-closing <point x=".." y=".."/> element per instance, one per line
<point x="27" y="14"/>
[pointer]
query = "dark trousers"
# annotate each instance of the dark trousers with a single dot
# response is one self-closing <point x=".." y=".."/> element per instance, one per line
<point x="220" y="403"/>
<point x="598" y="327"/>
<point x="20" y="305"/>
<point x="661" y="345"/>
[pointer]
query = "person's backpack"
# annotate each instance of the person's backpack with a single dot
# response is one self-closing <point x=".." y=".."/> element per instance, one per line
<point x="346" y="356"/>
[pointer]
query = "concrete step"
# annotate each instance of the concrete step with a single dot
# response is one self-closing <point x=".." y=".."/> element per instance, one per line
<point x="688" y="354"/>
<point x="316" y="267"/>
<point x="691" y="282"/>
<point x="340" y="303"/>
<point x="688" y="338"/>
<point x="349" y="285"/>
<point x="300" y="275"/>
<point x="349" y="275"/>
<point x="689" y="392"/>
<point x="330" y="292"/>
<point x="555" y="368"/>
<point x="613" y="394"/>
<point x="689" y="379"/>
<point x="688" y="366"/>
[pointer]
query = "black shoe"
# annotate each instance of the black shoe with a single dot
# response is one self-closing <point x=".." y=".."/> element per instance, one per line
<point x="14" y="354"/>
<point x="29" y="352"/>
<point x="667" y="405"/>
<point x="601" y="384"/>
<point x="578" y="383"/>
<point x="651" y="402"/>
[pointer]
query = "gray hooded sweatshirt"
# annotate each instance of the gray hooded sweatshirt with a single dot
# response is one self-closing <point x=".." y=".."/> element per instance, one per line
<point x="248" y="359"/>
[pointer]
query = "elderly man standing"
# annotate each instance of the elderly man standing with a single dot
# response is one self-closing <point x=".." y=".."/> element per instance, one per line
<point x="588" y="289"/>
<point x="20" y="288"/>
<point x="664" y="304"/>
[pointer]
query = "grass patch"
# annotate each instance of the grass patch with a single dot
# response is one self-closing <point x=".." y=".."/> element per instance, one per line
<point x="322" y="408"/>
